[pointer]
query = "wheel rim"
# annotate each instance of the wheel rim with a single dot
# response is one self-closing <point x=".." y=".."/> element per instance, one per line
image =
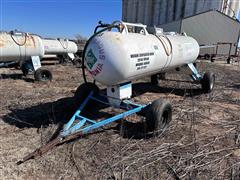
<point x="45" y="76"/>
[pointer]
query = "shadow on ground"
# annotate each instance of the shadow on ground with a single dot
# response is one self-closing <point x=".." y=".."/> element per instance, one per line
<point x="235" y="86"/>
<point x="60" y="111"/>
<point x="143" y="87"/>
<point x="16" y="77"/>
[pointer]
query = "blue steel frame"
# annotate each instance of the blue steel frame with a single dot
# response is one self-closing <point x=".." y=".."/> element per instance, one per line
<point x="195" y="75"/>
<point x="86" y="125"/>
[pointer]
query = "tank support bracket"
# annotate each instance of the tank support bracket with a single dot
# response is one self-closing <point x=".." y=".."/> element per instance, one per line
<point x="36" y="62"/>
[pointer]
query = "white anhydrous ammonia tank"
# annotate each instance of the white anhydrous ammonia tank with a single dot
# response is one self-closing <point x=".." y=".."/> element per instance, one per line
<point x="19" y="47"/>
<point x="115" y="57"/>
<point x="55" y="46"/>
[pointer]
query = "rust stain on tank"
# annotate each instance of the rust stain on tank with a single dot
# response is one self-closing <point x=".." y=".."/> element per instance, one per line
<point x="33" y="40"/>
<point x="1" y="43"/>
<point x="116" y="38"/>
<point x="19" y="40"/>
<point x="30" y="43"/>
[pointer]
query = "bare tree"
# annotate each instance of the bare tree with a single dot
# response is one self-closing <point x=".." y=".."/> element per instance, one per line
<point x="80" y="38"/>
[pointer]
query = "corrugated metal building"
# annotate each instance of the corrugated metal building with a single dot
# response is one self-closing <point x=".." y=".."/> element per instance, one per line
<point x="211" y="22"/>
<point x="157" y="12"/>
<point x="209" y="28"/>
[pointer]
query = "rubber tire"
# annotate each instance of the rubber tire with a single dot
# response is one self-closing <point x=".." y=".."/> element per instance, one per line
<point x="154" y="79"/>
<point x="43" y="75"/>
<point x="83" y="91"/>
<point x="208" y="82"/>
<point x="158" y="116"/>
<point x="212" y="58"/>
<point x="228" y="60"/>
<point x="207" y="56"/>
<point x="178" y="69"/>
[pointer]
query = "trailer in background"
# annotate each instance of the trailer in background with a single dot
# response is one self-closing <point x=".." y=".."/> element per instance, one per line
<point x="216" y="33"/>
<point x="26" y="51"/>
<point x="80" y="42"/>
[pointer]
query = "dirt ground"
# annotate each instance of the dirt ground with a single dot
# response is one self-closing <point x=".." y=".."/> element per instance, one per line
<point x="202" y="142"/>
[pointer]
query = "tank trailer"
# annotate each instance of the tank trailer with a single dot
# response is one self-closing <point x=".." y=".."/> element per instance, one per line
<point x="28" y="50"/>
<point x="115" y="55"/>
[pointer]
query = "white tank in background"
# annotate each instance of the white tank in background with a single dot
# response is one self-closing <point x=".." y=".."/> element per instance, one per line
<point x="29" y="49"/>
<point x="59" y="46"/>
<point x="19" y="46"/>
<point x="116" y="57"/>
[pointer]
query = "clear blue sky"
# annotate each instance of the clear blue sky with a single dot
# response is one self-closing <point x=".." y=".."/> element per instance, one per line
<point x="58" y="18"/>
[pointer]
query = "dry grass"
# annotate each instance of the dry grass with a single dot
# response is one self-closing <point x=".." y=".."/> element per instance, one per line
<point x="202" y="142"/>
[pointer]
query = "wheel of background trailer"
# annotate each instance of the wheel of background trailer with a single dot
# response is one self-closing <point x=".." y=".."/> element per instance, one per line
<point x="229" y="60"/>
<point x="154" y="79"/>
<point x="83" y="91"/>
<point x="212" y="56"/>
<point x="208" y="82"/>
<point x="178" y="69"/>
<point x="77" y="62"/>
<point x="43" y="75"/>
<point x="158" y="116"/>
<point x="206" y="56"/>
